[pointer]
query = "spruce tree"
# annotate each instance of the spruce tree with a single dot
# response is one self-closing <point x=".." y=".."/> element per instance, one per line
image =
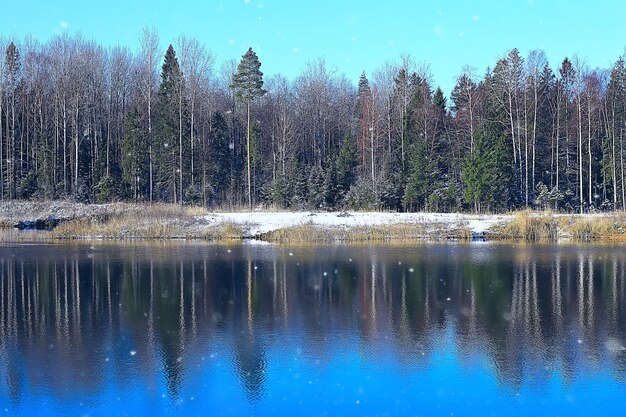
<point x="419" y="183"/>
<point x="346" y="166"/>
<point x="248" y="85"/>
<point x="170" y="130"/>
<point x="487" y="174"/>
<point x="218" y="158"/>
<point x="475" y="173"/>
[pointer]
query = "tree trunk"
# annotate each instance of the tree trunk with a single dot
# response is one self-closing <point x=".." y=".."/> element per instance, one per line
<point x="77" y="140"/>
<point x="191" y="144"/>
<point x="151" y="162"/>
<point x="589" y="146"/>
<point x="1" y="142"/>
<point x="65" y="167"/>
<point x="614" y="159"/>
<point x="180" y="143"/>
<point x="471" y="114"/>
<point x="248" y="155"/>
<point x="534" y="138"/>
<point x="371" y="129"/>
<point x="580" y="156"/>
<point x="525" y="148"/>
<point x="558" y="131"/>
<point x="621" y="162"/>
<point x="512" y="126"/>
<point x="12" y="156"/>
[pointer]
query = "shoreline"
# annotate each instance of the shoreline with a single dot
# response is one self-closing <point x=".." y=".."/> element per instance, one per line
<point x="142" y="221"/>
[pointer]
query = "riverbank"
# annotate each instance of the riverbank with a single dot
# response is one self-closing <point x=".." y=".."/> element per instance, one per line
<point x="122" y="221"/>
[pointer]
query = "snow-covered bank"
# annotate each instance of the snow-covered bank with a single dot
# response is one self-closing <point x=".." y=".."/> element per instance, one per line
<point x="69" y="220"/>
<point x="257" y="223"/>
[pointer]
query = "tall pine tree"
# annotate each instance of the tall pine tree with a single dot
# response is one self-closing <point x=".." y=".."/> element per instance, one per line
<point x="248" y="85"/>
<point x="170" y="131"/>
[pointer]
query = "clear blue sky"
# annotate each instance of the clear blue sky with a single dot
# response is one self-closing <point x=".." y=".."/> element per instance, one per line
<point x="353" y="36"/>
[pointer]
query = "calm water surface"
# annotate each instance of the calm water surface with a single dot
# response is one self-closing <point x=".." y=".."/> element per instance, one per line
<point x="265" y="330"/>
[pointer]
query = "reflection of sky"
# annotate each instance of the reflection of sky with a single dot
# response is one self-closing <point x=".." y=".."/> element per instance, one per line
<point x="325" y="357"/>
<point x="349" y="384"/>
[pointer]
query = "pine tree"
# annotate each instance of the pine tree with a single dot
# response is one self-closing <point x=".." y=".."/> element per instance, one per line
<point x="248" y="85"/>
<point x="12" y="64"/>
<point x="365" y="133"/>
<point x="170" y="130"/>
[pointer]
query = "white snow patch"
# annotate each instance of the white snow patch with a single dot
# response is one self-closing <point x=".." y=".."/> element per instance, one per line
<point x="256" y="223"/>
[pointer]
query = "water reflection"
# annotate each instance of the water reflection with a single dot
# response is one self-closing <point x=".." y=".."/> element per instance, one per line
<point x="84" y="328"/>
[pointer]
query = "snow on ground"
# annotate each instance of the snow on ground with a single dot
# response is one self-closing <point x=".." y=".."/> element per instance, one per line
<point x="258" y="222"/>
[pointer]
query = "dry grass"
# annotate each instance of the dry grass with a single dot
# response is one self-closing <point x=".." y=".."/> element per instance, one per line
<point x="153" y="222"/>
<point x="167" y="221"/>
<point x="612" y="227"/>
<point x="547" y="226"/>
<point x="113" y="221"/>
<point x="6" y="224"/>
<point x="14" y="235"/>
<point x="527" y="225"/>
<point x="405" y="232"/>
<point x="223" y="231"/>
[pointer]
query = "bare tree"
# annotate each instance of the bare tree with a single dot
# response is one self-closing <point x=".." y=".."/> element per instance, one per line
<point x="580" y="70"/>
<point x="149" y="53"/>
<point x="196" y="63"/>
<point x="2" y="147"/>
<point x="535" y="63"/>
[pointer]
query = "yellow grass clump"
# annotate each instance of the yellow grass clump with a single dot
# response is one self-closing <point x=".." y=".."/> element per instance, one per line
<point x="404" y="232"/>
<point x="527" y="225"/>
<point x="612" y="227"/>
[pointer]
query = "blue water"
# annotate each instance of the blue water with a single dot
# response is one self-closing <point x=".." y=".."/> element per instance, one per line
<point x="263" y="330"/>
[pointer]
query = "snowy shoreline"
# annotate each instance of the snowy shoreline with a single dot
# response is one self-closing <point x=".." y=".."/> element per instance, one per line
<point x="168" y="221"/>
<point x="257" y="223"/>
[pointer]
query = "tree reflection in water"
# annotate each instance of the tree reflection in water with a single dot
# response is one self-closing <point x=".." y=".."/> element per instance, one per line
<point x="78" y="320"/>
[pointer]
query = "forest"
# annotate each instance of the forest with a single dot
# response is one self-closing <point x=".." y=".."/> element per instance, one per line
<point x="88" y="123"/>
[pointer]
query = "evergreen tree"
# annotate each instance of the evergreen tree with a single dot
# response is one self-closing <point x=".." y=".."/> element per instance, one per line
<point x="170" y="131"/>
<point x="248" y="84"/>
<point x="475" y="174"/>
<point x="300" y="195"/>
<point x="487" y="173"/>
<point x="419" y="181"/>
<point x="345" y="167"/>
<point x="613" y="146"/>
<point x="316" y="188"/>
<point x="330" y="187"/>
<point x="218" y="175"/>
<point x="11" y="159"/>
<point x="365" y="132"/>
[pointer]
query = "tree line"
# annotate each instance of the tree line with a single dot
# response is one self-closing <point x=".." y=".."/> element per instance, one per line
<point x="81" y="121"/>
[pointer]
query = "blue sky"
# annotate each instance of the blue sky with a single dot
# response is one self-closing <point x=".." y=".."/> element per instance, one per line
<point x="353" y="36"/>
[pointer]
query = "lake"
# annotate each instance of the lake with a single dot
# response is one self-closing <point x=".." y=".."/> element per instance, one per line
<point x="266" y="330"/>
